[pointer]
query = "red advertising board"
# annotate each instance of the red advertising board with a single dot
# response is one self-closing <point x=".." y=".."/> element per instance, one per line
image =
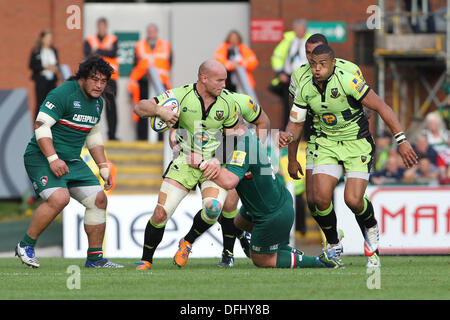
<point x="412" y="219"/>
<point x="266" y="30"/>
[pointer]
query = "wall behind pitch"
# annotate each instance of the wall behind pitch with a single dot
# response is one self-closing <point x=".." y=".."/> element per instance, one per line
<point x="195" y="30"/>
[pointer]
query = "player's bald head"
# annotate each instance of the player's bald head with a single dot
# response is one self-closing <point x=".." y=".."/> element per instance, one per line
<point x="209" y="67"/>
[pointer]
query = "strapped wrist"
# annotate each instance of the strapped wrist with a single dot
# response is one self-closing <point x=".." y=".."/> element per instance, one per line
<point x="52" y="158"/>
<point x="400" y="137"/>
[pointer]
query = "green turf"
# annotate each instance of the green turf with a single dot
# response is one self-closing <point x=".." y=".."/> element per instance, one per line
<point x="405" y="277"/>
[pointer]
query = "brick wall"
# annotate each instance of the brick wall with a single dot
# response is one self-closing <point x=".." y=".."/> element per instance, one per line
<point x="21" y="22"/>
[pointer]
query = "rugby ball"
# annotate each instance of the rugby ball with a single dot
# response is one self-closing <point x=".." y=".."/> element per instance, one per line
<point x="158" y="124"/>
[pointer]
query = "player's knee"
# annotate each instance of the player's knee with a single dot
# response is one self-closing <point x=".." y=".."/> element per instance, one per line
<point x="59" y="199"/>
<point x="93" y="215"/>
<point x="212" y="208"/>
<point x="101" y="201"/>
<point x="168" y="199"/>
<point x="262" y="261"/>
<point x="321" y="203"/>
<point x="159" y="216"/>
<point x="231" y="201"/>
<point x="355" y="203"/>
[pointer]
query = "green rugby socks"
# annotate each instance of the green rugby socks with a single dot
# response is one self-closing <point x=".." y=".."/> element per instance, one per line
<point x="27" y="241"/>
<point x="94" y="254"/>
<point x="288" y="259"/>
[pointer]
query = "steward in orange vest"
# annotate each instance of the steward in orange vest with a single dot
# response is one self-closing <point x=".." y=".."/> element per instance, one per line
<point x="150" y="52"/>
<point x="106" y="46"/>
<point x="232" y="53"/>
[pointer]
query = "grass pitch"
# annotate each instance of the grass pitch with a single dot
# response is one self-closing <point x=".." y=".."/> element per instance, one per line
<point x="400" y="277"/>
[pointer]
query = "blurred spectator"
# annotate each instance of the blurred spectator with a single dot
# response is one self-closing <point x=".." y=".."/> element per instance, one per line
<point x="423" y="148"/>
<point x="288" y="55"/>
<point x="233" y="53"/>
<point x="384" y="143"/>
<point x="106" y="45"/>
<point x="444" y="109"/>
<point x="423" y="173"/>
<point x="149" y="52"/>
<point x="44" y="64"/>
<point x="392" y="174"/>
<point x="436" y="133"/>
<point x="429" y="20"/>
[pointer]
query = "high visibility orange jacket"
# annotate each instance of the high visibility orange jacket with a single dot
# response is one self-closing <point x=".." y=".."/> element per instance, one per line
<point x="159" y="58"/>
<point x="249" y="60"/>
<point x="106" y="44"/>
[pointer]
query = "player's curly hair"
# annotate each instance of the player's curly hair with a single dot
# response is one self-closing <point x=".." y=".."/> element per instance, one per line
<point x="93" y="64"/>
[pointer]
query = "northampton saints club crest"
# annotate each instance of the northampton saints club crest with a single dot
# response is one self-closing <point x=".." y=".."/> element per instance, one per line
<point x="335" y="93"/>
<point x="219" y="115"/>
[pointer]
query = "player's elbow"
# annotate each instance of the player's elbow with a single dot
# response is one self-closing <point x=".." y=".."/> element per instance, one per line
<point x="138" y="109"/>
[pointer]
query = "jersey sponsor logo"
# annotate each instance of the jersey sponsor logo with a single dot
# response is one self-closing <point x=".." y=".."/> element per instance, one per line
<point x="85" y="118"/>
<point x="49" y="105"/>
<point x="238" y="158"/>
<point x="329" y="119"/>
<point x="76" y="126"/>
<point x="335" y="93"/>
<point x="357" y="84"/>
<point x="219" y="115"/>
<point x="77" y="104"/>
<point x="252" y="105"/>
<point x="201" y="138"/>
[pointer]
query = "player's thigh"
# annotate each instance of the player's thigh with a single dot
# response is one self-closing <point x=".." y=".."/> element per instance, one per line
<point x="269" y="233"/>
<point x="243" y="221"/>
<point x="264" y="260"/>
<point x="231" y="202"/>
<point x="94" y="192"/>
<point x="179" y="171"/>
<point x="44" y="182"/>
<point x="80" y="175"/>
<point x="358" y="157"/>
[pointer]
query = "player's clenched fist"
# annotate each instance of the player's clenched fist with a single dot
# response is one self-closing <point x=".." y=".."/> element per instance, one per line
<point x="59" y="168"/>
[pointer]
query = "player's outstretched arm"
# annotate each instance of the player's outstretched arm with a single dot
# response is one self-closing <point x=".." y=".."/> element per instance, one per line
<point x="375" y="103"/>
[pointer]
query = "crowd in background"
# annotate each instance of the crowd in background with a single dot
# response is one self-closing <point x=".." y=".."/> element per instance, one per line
<point x="432" y="145"/>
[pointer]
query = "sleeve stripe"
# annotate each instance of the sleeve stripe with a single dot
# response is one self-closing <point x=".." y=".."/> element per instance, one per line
<point x="365" y="94"/>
